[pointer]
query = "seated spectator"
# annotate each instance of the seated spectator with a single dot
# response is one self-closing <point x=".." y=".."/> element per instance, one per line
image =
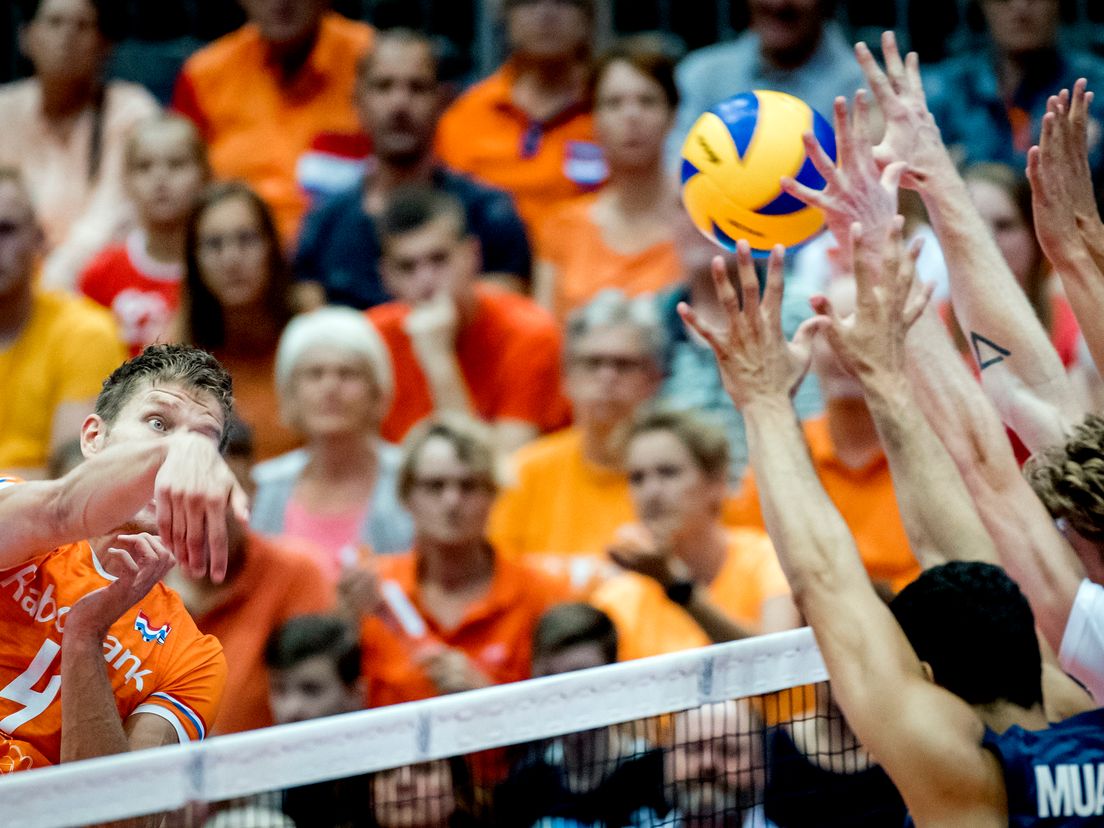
<point x="569" y="491"/>
<point x="1003" y="197"/>
<point x="851" y="464"/>
<point x="435" y="794"/>
<point x="527" y="128"/>
<point x="676" y="465"/>
<point x="477" y="610"/>
<point x="398" y="99"/>
<point x="622" y="236"/>
<point x="65" y="129"/>
<point x="334" y="378"/>
<point x="457" y="345"/>
<point x="989" y="101"/>
<point x="55" y="349"/>
<point x="591" y="778"/>
<point x="274" y="102"/>
<point x="267" y="582"/>
<point x="139" y="279"/>
<point x="790" y="47"/>
<point x="691" y="379"/>
<point x="236" y="301"/>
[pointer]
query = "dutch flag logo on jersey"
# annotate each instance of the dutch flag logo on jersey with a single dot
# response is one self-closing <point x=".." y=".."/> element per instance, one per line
<point x="150" y="632"/>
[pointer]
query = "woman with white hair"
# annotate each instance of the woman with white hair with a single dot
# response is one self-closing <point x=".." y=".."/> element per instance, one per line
<point x="334" y="379"/>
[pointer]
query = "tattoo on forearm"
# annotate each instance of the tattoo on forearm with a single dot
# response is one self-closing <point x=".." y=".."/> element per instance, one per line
<point x="986" y="351"/>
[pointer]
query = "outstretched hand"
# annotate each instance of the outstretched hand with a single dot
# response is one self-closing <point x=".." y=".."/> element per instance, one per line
<point x="871" y="341"/>
<point x="753" y="356"/>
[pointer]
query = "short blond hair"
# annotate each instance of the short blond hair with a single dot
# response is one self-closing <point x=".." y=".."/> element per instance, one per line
<point x="471" y="439"/>
<point x="1069" y="478"/>
<point x="705" y="441"/>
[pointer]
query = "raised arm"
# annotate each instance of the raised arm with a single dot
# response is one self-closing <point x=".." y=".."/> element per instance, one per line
<point x="1021" y="371"/>
<point x="927" y="739"/>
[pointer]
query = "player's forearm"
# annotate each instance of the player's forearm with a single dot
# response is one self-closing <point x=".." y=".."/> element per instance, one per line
<point x="444" y="378"/>
<point x="1082" y="275"/>
<point x="90" y="723"/>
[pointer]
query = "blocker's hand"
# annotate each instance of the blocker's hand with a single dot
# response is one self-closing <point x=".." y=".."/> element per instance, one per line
<point x="753" y="356"/>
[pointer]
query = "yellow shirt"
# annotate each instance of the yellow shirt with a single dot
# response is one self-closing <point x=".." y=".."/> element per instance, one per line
<point x="66" y="350"/>
<point x="648" y="623"/>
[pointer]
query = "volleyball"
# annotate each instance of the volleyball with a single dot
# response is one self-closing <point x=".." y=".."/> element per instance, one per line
<point x="732" y="163"/>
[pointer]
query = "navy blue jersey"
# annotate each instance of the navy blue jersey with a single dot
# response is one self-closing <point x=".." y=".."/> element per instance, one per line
<point x="1054" y="777"/>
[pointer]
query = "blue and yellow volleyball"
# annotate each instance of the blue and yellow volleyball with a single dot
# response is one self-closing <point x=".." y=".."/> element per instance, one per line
<point x="732" y="163"/>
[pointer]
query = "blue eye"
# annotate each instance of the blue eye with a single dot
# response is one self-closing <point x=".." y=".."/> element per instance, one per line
<point x="156" y="423"/>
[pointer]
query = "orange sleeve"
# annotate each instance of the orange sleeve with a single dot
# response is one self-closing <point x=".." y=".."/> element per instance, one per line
<point x="189" y="697"/>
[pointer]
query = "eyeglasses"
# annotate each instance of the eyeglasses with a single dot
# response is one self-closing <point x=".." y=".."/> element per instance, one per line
<point x="593" y="363"/>
<point x="437" y="486"/>
<point x="241" y="240"/>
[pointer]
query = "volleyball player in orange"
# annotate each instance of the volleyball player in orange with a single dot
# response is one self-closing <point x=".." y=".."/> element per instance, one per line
<point x="96" y="656"/>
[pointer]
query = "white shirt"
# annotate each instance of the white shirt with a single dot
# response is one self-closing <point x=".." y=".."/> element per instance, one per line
<point x="1082" y="651"/>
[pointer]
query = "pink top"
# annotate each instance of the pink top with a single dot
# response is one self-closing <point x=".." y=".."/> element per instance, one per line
<point x="332" y="534"/>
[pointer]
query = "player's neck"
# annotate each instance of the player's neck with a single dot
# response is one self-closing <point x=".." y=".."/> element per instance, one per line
<point x="454" y="567"/>
<point x="165" y="244"/>
<point x="1001" y="715"/>
<point x="15" y="310"/>
<point x="703" y="548"/>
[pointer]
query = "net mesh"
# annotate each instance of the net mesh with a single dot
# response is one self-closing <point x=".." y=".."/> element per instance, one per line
<point x="743" y="734"/>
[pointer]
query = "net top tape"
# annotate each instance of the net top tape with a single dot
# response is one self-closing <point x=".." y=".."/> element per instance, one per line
<point x="282" y="757"/>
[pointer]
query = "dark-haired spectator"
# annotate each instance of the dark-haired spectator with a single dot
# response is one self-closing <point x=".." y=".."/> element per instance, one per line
<point x="457" y="345"/>
<point x="65" y="129"/>
<point x="527" y="128"/>
<point x="620" y="237"/>
<point x="595" y="777"/>
<point x="274" y="102"/>
<point x="334" y="378"/>
<point x="476" y="610"/>
<point x="267" y="583"/>
<point x="237" y="300"/>
<point x="398" y="98"/>
<point x="139" y="279"/>
<point x="989" y="101"/>
<point x="790" y="46"/>
<point x="55" y="349"/>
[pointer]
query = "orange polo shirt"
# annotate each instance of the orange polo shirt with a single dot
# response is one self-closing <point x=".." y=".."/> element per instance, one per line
<point x="573" y="244"/>
<point x="541" y="164"/>
<point x="496" y="632"/>
<point x="286" y="138"/>
<point x="276" y="582"/>
<point x="509" y="355"/>
<point x="865" y="499"/>
<point x="649" y="623"/>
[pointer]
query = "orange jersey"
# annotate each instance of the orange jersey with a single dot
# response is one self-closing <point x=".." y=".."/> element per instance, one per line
<point x="541" y="164"/>
<point x="496" y="632"/>
<point x="585" y="265"/>
<point x="157" y="661"/>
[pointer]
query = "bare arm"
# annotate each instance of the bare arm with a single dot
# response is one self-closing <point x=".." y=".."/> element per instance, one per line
<point x="432" y="328"/>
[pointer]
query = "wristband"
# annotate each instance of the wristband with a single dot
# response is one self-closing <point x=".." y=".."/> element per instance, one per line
<point x="680" y="592"/>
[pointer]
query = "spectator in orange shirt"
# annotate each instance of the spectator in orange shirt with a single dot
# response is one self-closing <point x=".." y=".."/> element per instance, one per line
<point x="236" y="302"/>
<point x="570" y="492"/>
<point x="621" y="237"/>
<point x="677" y="465"/>
<point x="457" y="345"/>
<point x="469" y="613"/>
<point x="66" y="127"/>
<point x="274" y="102"/>
<point x="527" y="128"/>
<point x="851" y="464"/>
<point x="139" y="279"/>
<point x="268" y="581"/>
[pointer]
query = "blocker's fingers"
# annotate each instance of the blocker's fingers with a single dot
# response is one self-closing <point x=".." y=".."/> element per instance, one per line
<point x="695" y="323"/>
<point x="807" y="330"/>
<point x="860" y="118"/>
<point x="217" y="539"/>
<point x="820" y="158"/>
<point x="918" y="300"/>
<point x="912" y="74"/>
<point x="814" y="198"/>
<point x="895" y="67"/>
<point x="749" y="282"/>
<point x="726" y="293"/>
<point x="891" y="176"/>
<point x="845" y="146"/>
<point x="772" y="290"/>
<point x="879" y="83"/>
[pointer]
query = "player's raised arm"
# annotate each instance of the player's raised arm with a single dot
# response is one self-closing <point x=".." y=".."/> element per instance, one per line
<point x="1020" y="369"/>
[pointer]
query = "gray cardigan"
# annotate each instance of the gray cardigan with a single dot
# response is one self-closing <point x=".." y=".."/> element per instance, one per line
<point x="387" y="528"/>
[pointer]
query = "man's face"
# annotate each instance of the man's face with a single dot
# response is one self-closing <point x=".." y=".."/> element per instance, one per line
<point x="1021" y="26"/>
<point x="285" y="22"/>
<point x="398" y="101"/>
<point x="548" y="29"/>
<point x="155" y="411"/>
<point x="63" y="40"/>
<point x="20" y="240"/>
<point x="610" y="374"/>
<point x="414" y="796"/>
<point x="786" y="26"/>
<point x="433" y="258"/>
<point x="449" y="500"/>
<point x="310" y="690"/>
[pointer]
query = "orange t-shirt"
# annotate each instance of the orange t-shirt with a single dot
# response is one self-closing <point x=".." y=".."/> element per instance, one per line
<point x="541" y="164"/>
<point x="257" y="403"/>
<point x="649" y="623"/>
<point x="284" y="138"/>
<point x="562" y="511"/>
<point x="158" y="661"/>
<point x="573" y="244"/>
<point x="509" y="355"/>
<point x="496" y="633"/>
<point x="276" y="583"/>
<point x="865" y="499"/>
